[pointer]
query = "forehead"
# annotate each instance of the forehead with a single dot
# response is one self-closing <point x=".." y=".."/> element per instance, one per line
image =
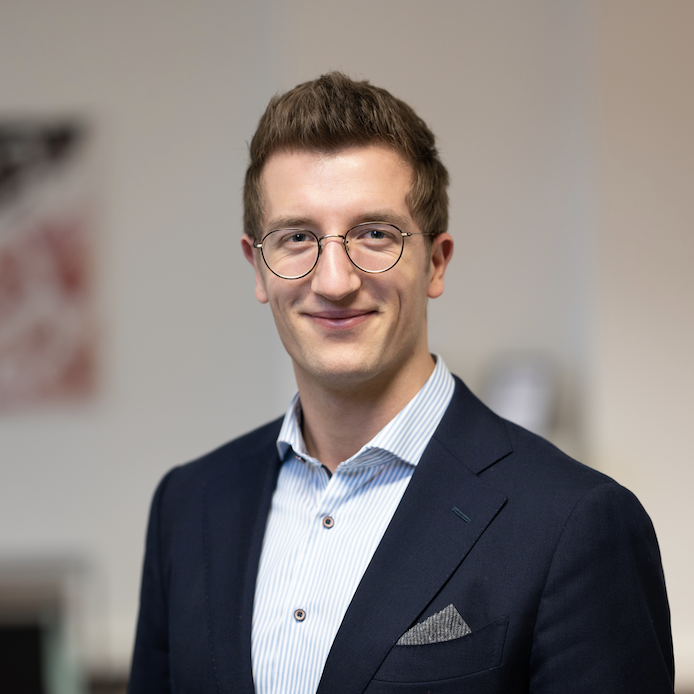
<point x="343" y="187"/>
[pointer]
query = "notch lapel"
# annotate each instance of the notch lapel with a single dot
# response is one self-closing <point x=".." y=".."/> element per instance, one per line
<point x="235" y="514"/>
<point x="424" y="544"/>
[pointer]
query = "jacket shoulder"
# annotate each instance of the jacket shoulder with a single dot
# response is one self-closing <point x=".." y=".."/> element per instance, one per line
<point x="515" y="461"/>
<point x="245" y="458"/>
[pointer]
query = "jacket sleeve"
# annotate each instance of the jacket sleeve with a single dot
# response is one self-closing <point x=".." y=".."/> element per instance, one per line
<point x="603" y="624"/>
<point x="150" y="666"/>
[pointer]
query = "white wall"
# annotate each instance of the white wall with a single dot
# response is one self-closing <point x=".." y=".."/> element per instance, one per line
<point x="642" y="365"/>
<point x="173" y="90"/>
<point x="190" y="360"/>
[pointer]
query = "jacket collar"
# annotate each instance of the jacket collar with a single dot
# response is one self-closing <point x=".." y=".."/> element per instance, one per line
<point x="423" y="545"/>
<point x="425" y="542"/>
<point x="235" y="509"/>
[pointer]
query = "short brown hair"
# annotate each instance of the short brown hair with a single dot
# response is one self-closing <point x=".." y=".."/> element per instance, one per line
<point x="334" y="112"/>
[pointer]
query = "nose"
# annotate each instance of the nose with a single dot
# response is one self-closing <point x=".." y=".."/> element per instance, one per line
<point x="334" y="277"/>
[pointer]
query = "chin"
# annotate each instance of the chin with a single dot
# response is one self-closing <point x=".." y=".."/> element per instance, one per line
<point x="341" y="371"/>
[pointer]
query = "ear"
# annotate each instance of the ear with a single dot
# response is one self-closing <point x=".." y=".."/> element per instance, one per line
<point x="252" y="257"/>
<point x="441" y="254"/>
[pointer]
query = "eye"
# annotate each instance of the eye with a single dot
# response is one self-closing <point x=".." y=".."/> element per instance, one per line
<point x="375" y="235"/>
<point x="299" y="237"/>
<point x="294" y="237"/>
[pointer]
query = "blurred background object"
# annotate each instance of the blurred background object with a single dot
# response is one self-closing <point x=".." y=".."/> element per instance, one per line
<point x="39" y="621"/>
<point x="47" y="330"/>
<point x="523" y="389"/>
<point x="567" y="130"/>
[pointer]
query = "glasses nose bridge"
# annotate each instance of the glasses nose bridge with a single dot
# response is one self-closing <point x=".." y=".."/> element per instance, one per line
<point x="342" y="237"/>
<point x="333" y="236"/>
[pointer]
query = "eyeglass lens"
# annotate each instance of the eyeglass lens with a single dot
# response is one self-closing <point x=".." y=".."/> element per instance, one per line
<point x="372" y="247"/>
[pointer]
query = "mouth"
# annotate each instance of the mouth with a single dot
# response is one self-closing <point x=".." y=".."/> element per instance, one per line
<point x="340" y="319"/>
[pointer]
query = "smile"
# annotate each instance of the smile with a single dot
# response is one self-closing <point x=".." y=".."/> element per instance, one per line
<point x="339" y="319"/>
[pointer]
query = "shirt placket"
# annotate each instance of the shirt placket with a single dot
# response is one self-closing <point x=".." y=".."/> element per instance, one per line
<point x="321" y="550"/>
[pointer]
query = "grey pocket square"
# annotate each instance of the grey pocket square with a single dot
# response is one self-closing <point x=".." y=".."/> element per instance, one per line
<point x="442" y="626"/>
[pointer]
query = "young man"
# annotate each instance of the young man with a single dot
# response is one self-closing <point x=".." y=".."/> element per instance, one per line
<point x="390" y="534"/>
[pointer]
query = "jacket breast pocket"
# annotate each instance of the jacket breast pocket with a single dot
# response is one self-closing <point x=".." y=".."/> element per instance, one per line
<point x="480" y="650"/>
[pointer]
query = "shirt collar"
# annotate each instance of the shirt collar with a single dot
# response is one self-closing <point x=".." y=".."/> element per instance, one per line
<point x="404" y="437"/>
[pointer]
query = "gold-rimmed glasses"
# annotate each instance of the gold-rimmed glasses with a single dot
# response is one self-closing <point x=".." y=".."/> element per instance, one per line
<point x="372" y="247"/>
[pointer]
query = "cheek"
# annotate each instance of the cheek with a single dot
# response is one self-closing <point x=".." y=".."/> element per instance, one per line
<point x="413" y="294"/>
<point x="276" y="309"/>
<point x="281" y="304"/>
<point x="282" y="325"/>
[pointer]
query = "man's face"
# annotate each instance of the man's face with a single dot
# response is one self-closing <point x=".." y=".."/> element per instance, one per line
<point x="343" y="327"/>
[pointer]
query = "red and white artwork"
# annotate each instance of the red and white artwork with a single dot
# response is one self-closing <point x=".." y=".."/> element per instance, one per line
<point x="47" y="330"/>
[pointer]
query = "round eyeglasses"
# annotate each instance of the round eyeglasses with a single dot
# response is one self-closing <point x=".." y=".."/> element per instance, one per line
<point x="372" y="247"/>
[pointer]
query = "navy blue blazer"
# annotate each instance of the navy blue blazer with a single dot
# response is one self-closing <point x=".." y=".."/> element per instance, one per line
<point x="554" y="567"/>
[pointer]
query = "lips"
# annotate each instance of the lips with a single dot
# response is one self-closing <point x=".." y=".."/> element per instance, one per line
<point x="340" y="319"/>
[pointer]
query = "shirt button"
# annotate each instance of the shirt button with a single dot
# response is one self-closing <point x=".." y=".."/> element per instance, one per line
<point x="299" y="615"/>
<point x="328" y="522"/>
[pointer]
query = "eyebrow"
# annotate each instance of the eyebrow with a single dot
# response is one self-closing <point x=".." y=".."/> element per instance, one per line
<point x="387" y="216"/>
<point x="289" y="223"/>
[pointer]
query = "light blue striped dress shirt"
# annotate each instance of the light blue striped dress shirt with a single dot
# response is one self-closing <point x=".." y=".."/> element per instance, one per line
<point x="322" y="532"/>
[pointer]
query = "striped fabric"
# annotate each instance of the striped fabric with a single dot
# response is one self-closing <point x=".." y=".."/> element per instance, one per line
<point x="322" y="532"/>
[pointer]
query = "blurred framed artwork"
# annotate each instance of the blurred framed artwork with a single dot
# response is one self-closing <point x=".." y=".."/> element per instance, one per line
<point x="47" y="327"/>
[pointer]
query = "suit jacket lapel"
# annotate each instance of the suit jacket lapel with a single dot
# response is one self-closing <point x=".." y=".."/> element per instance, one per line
<point x="235" y="513"/>
<point x="425" y="541"/>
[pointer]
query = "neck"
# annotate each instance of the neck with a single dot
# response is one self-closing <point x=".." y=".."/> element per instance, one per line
<point x="339" y="420"/>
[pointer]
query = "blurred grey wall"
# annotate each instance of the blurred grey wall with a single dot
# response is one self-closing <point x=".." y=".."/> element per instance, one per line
<point x="566" y="127"/>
